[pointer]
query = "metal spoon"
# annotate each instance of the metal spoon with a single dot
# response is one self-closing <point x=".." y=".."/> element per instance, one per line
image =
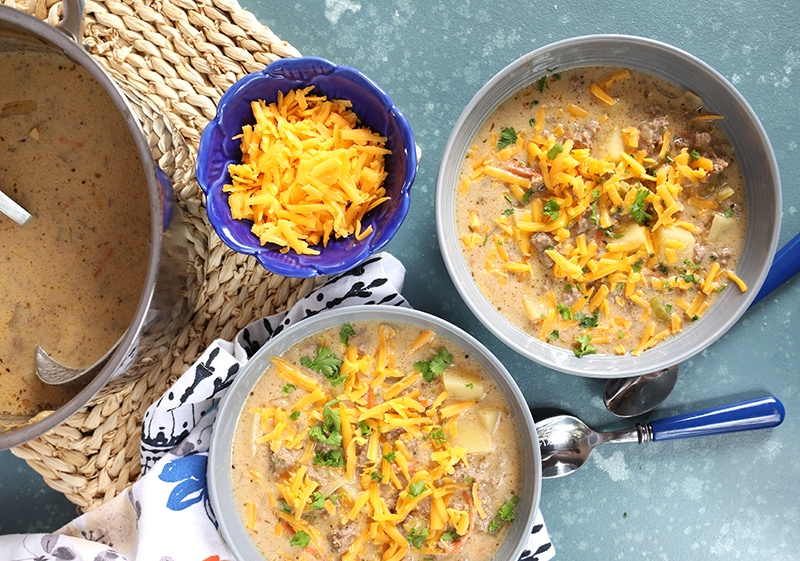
<point x="52" y="372"/>
<point x="629" y="397"/>
<point x="14" y="211"/>
<point x="49" y="370"/>
<point x="566" y="442"/>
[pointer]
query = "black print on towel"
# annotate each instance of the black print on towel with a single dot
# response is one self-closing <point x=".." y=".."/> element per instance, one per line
<point x="181" y="407"/>
<point x="528" y="555"/>
<point x="345" y="289"/>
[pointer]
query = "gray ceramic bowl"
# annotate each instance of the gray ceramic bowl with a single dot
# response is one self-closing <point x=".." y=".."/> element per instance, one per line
<point x="219" y="466"/>
<point x="742" y="128"/>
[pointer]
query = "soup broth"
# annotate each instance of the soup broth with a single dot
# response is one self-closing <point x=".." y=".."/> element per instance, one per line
<point x="376" y="441"/>
<point x="72" y="277"/>
<point x="602" y="210"/>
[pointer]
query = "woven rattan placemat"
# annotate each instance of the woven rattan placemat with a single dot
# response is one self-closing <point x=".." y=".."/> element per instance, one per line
<point x="174" y="59"/>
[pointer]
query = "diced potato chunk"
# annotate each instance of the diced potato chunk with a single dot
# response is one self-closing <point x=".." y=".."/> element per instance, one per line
<point x="534" y="309"/>
<point x="489" y="418"/>
<point x="461" y="385"/>
<point x="631" y="239"/>
<point x="615" y="145"/>
<point x="721" y="227"/>
<point x="630" y="135"/>
<point x="675" y="239"/>
<point x="473" y="436"/>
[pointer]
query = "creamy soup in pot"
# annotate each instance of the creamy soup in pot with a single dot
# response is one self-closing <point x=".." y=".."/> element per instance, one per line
<point x="602" y="210"/>
<point x="73" y="276"/>
<point x="376" y="440"/>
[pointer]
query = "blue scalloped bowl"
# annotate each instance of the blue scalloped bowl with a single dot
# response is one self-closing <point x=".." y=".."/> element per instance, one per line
<point x="218" y="149"/>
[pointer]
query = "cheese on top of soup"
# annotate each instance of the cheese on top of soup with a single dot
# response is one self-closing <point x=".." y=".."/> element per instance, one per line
<point x="376" y="440"/>
<point x="602" y="210"/>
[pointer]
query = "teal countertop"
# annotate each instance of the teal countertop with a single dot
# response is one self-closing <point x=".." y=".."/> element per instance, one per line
<point x="719" y="497"/>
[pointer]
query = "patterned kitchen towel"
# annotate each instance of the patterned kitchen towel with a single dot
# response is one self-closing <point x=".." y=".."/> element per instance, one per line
<point x="166" y="515"/>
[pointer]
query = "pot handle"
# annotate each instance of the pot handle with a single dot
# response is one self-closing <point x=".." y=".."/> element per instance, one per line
<point x="71" y="22"/>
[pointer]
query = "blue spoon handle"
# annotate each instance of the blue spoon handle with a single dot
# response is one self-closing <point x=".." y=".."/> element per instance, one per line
<point x="785" y="265"/>
<point x="759" y="413"/>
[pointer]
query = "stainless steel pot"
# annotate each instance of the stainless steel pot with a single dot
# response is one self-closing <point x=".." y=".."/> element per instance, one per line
<point x="162" y="308"/>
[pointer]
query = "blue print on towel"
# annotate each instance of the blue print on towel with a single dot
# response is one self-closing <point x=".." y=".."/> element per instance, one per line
<point x="189" y="475"/>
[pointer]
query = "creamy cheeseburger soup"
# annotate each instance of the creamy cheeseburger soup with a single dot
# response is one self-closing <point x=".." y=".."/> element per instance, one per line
<point x="73" y="276"/>
<point x="376" y="441"/>
<point x="602" y="210"/>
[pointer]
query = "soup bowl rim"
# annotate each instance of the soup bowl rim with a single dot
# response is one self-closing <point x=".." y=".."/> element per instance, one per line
<point x="741" y="125"/>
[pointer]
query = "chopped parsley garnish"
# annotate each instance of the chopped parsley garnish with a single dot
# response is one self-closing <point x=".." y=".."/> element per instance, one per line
<point x="300" y="539"/>
<point x="327" y="364"/>
<point x="317" y="501"/>
<point x="555" y="150"/>
<point x="430" y="369"/>
<point x="330" y="431"/>
<point x="390" y="456"/>
<point x="449" y="536"/>
<point x="594" y="216"/>
<point x="506" y="513"/>
<point x="637" y="266"/>
<point x="331" y="458"/>
<point x="345" y="333"/>
<point x="639" y="205"/>
<point x="552" y="208"/>
<point x="690" y="278"/>
<point x="586" y="321"/>
<point x="529" y="193"/>
<point x="288" y="388"/>
<point x="554" y="334"/>
<point x="728" y="213"/>
<point x="541" y="83"/>
<point x="584" y="346"/>
<point x="366" y="430"/>
<point x="507" y="136"/>
<point x="294" y="415"/>
<point x="694" y="155"/>
<point x="564" y="311"/>
<point x="416" y="537"/>
<point x="284" y="506"/>
<point x="438" y="436"/>
<point x="416" y="488"/>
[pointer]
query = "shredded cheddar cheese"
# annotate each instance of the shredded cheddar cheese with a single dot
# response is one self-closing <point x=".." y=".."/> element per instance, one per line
<point x="309" y="172"/>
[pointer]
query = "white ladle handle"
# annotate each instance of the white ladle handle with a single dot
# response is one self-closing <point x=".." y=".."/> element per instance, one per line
<point x="759" y="413"/>
<point x="15" y="212"/>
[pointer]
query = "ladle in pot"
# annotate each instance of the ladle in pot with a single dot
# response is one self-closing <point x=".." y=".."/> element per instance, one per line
<point x="49" y="370"/>
<point x="52" y="372"/>
<point x="566" y="442"/>
<point x="629" y="397"/>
